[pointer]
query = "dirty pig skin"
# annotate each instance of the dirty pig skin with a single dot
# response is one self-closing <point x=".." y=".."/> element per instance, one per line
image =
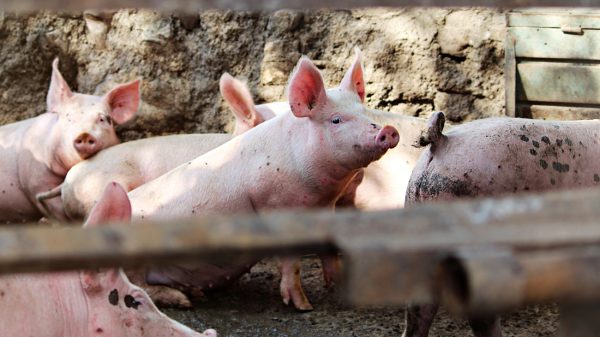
<point x="303" y="158"/>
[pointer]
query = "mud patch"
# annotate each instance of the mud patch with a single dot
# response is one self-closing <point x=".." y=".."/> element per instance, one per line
<point x="562" y="168"/>
<point x="429" y="186"/>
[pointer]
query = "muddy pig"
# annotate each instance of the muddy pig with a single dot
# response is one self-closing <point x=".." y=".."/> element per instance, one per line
<point x="85" y="303"/>
<point x="303" y="158"/>
<point x="134" y="163"/>
<point x="498" y="156"/>
<point x="37" y="153"/>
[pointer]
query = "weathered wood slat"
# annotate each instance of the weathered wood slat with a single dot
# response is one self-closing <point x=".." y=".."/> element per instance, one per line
<point x="552" y="43"/>
<point x="510" y="75"/>
<point x="390" y="256"/>
<point x="196" y="5"/>
<point x="555" y="18"/>
<point x="556" y="82"/>
<point x="556" y="112"/>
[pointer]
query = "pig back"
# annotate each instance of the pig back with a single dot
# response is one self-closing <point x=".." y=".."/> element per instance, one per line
<point x="131" y="164"/>
<point x="507" y="155"/>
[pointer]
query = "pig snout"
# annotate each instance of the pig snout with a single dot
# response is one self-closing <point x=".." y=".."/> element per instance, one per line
<point x="86" y="145"/>
<point x="387" y="137"/>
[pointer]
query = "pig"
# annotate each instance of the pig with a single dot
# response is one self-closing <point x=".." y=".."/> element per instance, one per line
<point x="302" y="158"/>
<point x="85" y="303"/>
<point x="494" y="157"/>
<point x="134" y="163"/>
<point x="38" y="152"/>
<point x="382" y="184"/>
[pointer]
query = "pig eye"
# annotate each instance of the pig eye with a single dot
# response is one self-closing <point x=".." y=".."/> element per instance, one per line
<point x="336" y="120"/>
<point x="104" y="118"/>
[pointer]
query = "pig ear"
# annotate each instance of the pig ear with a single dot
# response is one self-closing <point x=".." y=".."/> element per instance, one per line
<point x="59" y="89"/>
<point x="124" y="101"/>
<point x="353" y="79"/>
<point x="240" y="101"/>
<point x="113" y="206"/>
<point x="306" y="90"/>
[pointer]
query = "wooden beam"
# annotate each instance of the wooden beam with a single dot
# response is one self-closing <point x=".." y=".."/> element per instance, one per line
<point x="197" y="5"/>
<point x="390" y="256"/>
<point x="485" y="280"/>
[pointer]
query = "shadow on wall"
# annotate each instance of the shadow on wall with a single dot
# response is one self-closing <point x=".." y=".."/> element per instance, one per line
<point x="411" y="65"/>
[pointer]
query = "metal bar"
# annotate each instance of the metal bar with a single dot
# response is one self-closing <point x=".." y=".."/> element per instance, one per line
<point x="196" y="5"/>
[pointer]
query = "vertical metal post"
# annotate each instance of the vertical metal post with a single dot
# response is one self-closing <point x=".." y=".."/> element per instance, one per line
<point x="580" y="320"/>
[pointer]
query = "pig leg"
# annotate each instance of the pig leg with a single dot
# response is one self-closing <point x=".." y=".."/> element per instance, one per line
<point x="291" y="285"/>
<point x="485" y="326"/>
<point x="419" y="319"/>
<point x="331" y="265"/>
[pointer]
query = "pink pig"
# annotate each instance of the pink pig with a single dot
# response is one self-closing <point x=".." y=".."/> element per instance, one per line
<point x="303" y="158"/>
<point x="37" y="153"/>
<point x="132" y="164"/>
<point x="85" y="303"/>
<point x="499" y="156"/>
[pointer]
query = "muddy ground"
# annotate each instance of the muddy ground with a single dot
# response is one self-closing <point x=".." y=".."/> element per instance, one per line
<point x="252" y="307"/>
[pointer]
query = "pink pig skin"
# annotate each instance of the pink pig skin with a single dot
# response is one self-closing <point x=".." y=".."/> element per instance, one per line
<point x="300" y="159"/>
<point x="134" y="163"/>
<point x="37" y="153"/>
<point x="86" y="303"/>
<point x="499" y="156"/>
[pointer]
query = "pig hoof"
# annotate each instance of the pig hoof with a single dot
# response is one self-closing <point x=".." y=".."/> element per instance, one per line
<point x="303" y="307"/>
<point x="297" y="297"/>
<point x="209" y="333"/>
<point x="168" y="297"/>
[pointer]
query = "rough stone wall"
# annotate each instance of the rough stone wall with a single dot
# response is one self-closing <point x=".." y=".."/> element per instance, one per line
<point x="416" y="60"/>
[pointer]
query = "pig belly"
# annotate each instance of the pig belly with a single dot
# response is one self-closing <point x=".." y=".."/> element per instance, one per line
<point x="197" y="279"/>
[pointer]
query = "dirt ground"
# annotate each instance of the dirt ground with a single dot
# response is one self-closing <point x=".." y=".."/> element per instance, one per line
<point x="253" y="307"/>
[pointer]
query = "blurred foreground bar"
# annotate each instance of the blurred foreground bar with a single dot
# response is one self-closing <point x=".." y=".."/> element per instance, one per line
<point x="197" y="5"/>
<point x="542" y="247"/>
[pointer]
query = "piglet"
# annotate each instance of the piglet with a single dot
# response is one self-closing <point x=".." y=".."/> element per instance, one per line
<point x="494" y="157"/>
<point x="302" y="158"/>
<point x="85" y="303"/>
<point x="37" y="153"/>
<point x="132" y="164"/>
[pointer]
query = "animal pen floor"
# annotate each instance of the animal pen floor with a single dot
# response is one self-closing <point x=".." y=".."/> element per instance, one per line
<point x="253" y="307"/>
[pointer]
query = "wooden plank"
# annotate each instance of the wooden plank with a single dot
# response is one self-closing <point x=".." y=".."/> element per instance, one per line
<point x="510" y="75"/>
<point x="390" y="255"/>
<point x="553" y="112"/>
<point x="558" y="83"/>
<point x="196" y="5"/>
<point x="586" y="18"/>
<point x="486" y="280"/>
<point x="552" y="43"/>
